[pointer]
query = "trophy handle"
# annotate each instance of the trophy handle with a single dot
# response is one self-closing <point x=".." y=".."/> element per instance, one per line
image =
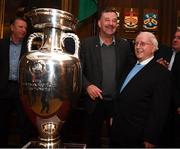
<point x="76" y="40"/>
<point x="32" y="37"/>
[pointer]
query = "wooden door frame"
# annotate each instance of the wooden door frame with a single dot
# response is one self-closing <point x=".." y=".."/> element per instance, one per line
<point x="2" y="11"/>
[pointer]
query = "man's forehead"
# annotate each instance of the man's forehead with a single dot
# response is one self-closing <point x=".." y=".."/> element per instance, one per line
<point x="142" y="37"/>
<point x="104" y="14"/>
<point x="19" y="21"/>
<point x="177" y="33"/>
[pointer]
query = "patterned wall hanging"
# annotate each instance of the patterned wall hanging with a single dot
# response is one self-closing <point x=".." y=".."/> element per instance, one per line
<point x="118" y="12"/>
<point x="150" y="19"/>
<point x="130" y="22"/>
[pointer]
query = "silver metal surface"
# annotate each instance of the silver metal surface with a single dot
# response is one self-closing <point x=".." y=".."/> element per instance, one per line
<point x="50" y="78"/>
<point x="37" y="144"/>
<point x="48" y="17"/>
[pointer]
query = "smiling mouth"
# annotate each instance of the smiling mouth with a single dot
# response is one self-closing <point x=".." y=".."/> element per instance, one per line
<point x="139" y="50"/>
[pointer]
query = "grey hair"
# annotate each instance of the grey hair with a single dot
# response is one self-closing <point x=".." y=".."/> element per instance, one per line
<point x="152" y="38"/>
<point x="178" y="29"/>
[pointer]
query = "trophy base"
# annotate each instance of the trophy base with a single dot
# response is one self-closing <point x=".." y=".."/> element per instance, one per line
<point x="38" y="144"/>
<point x="41" y="144"/>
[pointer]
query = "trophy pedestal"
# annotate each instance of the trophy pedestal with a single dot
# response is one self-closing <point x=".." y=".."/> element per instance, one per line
<point x="41" y="144"/>
<point x="37" y="144"/>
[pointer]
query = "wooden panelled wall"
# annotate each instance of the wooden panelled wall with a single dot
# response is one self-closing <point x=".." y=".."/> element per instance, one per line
<point x="167" y="15"/>
<point x="14" y="7"/>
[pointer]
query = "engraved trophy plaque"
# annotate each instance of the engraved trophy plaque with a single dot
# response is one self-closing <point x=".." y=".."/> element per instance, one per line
<point x="50" y="77"/>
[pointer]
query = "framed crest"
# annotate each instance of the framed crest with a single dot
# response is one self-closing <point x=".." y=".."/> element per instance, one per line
<point x="150" y="19"/>
<point x="130" y="21"/>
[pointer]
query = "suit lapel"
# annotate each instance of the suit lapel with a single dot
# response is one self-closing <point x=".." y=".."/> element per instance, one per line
<point x="117" y="50"/>
<point x="125" y="75"/>
<point x="97" y="54"/>
<point x="139" y="74"/>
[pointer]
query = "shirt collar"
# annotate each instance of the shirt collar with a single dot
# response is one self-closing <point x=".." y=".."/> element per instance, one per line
<point x="11" y="41"/>
<point x="101" y="41"/>
<point x="174" y="50"/>
<point x="146" y="61"/>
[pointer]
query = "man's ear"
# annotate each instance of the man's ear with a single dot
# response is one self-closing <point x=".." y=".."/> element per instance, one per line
<point x="99" y="24"/>
<point x="11" y="27"/>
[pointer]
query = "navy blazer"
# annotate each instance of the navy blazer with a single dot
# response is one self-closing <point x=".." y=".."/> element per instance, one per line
<point x="90" y="56"/>
<point x="176" y="70"/>
<point x="176" y="79"/>
<point x="166" y="52"/>
<point x="4" y="63"/>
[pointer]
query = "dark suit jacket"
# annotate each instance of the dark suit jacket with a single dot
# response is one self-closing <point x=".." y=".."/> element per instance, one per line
<point x="4" y="64"/>
<point x="166" y="53"/>
<point x="90" y="56"/>
<point x="141" y="109"/>
<point x="176" y="79"/>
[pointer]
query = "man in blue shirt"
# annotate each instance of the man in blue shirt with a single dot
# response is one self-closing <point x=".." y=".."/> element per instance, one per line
<point x="11" y="50"/>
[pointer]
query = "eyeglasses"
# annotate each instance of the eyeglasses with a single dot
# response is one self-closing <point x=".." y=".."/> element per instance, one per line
<point x="177" y="37"/>
<point x="142" y="44"/>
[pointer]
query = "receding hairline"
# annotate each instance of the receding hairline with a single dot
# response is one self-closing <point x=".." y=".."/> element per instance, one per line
<point x="18" y="18"/>
<point x="106" y="10"/>
<point x="151" y="36"/>
<point x="178" y="29"/>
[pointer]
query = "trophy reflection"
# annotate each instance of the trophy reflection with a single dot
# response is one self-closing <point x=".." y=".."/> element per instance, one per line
<point x="50" y="77"/>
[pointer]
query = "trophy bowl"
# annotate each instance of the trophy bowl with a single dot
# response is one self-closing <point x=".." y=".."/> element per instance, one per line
<point x="55" y="18"/>
<point x="49" y="77"/>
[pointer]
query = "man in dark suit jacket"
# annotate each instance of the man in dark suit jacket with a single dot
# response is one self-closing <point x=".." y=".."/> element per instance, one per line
<point x="103" y="58"/>
<point x="11" y="50"/>
<point x="176" y="79"/>
<point x="170" y="59"/>
<point x="167" y="55"/>
<point x="143" y="100"/>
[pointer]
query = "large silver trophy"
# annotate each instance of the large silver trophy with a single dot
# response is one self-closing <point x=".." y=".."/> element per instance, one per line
<point x="50" y="77"/>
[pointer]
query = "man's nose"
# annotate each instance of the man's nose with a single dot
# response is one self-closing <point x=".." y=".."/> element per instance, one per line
<point x="111" y="22"/>
<point x="24" y="29"/>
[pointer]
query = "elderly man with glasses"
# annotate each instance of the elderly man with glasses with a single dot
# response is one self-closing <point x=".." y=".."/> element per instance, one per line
<point x="142" y="103"/>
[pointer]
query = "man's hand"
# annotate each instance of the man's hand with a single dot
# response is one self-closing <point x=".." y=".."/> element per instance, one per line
<point x="94" y="92"/>
<point x="178" y="110"/>
<point x="148" y="145"/>
<point x="163" y="62"/>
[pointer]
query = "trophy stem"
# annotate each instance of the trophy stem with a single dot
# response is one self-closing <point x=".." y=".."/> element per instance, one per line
<point x="51" y="143"/>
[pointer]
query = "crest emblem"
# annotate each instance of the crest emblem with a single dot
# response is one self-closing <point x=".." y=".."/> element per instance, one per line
<point x="49" y="127"/>
<point x="131" y="19"/>
<point x="150" y="20"/>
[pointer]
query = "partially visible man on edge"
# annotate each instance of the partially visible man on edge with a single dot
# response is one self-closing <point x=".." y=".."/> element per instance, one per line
<point x="103" y="58"/>
<point x="170" y="58"/>
<point x="165" y="55"/>
<point x="142" y="103"/>
<point x="11" y="50"/>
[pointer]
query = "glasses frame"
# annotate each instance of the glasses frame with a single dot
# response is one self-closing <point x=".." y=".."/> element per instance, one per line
<point x="142" y="43"/>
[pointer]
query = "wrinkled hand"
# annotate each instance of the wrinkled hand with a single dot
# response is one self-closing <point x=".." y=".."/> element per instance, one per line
<point x="94" y="92"/>
<point x="148" y="145"/>
<point x="178" y="110"/>
<point x="163" y="62"/>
